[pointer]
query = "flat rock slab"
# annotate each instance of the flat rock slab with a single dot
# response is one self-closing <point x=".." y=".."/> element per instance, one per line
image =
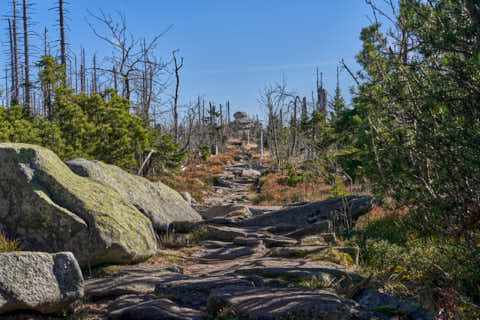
<point x="297" y="270"/>
<point x="316" y="228"/>
<point x="225" y="233"/>
<point x="303" y="251"/>
<point x="250" y="242"/>
<point x="160" y="309"/>
<point x="233" y="252"/>
<point x="279" y="241"/>
<point x="127" y="284"/>
<point x="278" y="303"/>
<point x="194" y="292"/>
<point x="130" y="300"/>
<point x="210" y="244"/>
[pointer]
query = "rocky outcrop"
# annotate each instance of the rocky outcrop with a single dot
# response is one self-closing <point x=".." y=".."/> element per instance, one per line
<point x="161" y="204"/>
<point x="50" y="208"/>
<point x="310" y="213"/>
<point x="38" y="281"/>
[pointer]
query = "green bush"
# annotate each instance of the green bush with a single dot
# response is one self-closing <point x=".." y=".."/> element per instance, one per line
<point x="97" y="127"/>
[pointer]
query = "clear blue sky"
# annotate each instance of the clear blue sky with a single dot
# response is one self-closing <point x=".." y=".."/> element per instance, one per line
<point x="232" y="49"/>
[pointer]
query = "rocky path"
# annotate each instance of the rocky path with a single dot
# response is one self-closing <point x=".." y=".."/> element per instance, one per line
<point x="238" y="182"/>
<point x="286" y="264"/>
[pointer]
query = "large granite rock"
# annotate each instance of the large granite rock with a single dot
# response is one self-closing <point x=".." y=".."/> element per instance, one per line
<point x="302" y="215"/>
<point x="50" y="208"/>
<point x="161" y="204"/>
<point x="39" y="281"/>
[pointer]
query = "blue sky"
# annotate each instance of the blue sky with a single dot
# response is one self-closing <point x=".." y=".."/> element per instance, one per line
<point x="232" y="49"/>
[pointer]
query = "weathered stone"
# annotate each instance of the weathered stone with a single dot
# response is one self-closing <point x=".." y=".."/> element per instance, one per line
<point x="299" y="270"/>
<point x="210" y="244"/>
<point x="279" y="241"/>
<point x="222" y="183"/>
<point x="232" y="252"/>
<point x="249" y="242"/>
<point x="303" y="215"/>
<point x="127" y="284"/>
<point x="159" y="309"/>
<point x="49" y="208"/>
<point x="316" y="228"/>
<point x="305" y="251"/>
<point x="38" y="281"/>
<point x="251" y="174"/>
<point x="275" y="303"/>
<point x="188" y="197"/>
<point x="130" y="300"/>
<point x="224" y="233"/>
<point x="161" y="204"/>
<point x="194" y="292"/>
<point x="226" y="211"/>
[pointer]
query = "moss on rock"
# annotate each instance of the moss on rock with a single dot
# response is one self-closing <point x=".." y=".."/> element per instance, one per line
<point x="50" y="208"/>
<point x="161" y="204"/>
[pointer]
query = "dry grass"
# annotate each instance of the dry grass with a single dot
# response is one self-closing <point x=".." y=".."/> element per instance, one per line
<point x="198" y="176"/>
<point x="7" y="245"/>
<point x="275" y="191"/>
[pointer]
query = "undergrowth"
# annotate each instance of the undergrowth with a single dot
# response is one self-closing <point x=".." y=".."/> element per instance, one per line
<point x="440" y="271"/>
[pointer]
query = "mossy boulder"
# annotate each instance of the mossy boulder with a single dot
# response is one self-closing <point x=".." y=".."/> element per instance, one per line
<point x="50" y="208"/>
<point x="161" y="204"/>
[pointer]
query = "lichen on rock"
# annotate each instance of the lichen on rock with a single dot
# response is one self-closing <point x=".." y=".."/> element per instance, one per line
<point x="50" y="208"/>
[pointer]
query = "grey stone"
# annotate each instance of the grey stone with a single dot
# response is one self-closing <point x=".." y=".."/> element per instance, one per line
<point x="226" y="211"/>
<point x="50" y="208"/>
<point x="316" y="228"/>
<point x="136" y="283"/>
<point x="39" y="281"/>
<point x="222" y="183"/>
<point x="194" y="292"/>
<point x="303" y="215"/>
<point x="251" y="174"/>
<point x="160" y="309"/>
<point x="278" y="303"/>
<point x="233" y="252"/>
<point x="159" y="203"/>
<point x="249" y="242"/>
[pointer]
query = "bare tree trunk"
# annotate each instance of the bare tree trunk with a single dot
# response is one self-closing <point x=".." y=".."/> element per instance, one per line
<point x="46" y="51"/>
<point x="12" y="58"/>
<point x="76" y="75"/>
<point x="26" y="56"/>
<point x="115" y="79"/>
<point x="16" y="93"/>
<point x="82" y="71"/>
<point x="175" y="102"/>
<point x="94" y="77"/>
<point x="63" y="49"/>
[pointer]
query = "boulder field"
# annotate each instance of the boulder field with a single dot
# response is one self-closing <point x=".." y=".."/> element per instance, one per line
<point x="100" y="219"/>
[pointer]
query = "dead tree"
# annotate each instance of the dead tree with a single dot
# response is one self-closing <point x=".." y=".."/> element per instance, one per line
<point x="14" y="40"/>
<point x="178" y="67"/>
<point x="26" y="57"/>
<point x="12" y="61"/>
<point x="63" y="43"/>
<point x="129" y="52"/>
